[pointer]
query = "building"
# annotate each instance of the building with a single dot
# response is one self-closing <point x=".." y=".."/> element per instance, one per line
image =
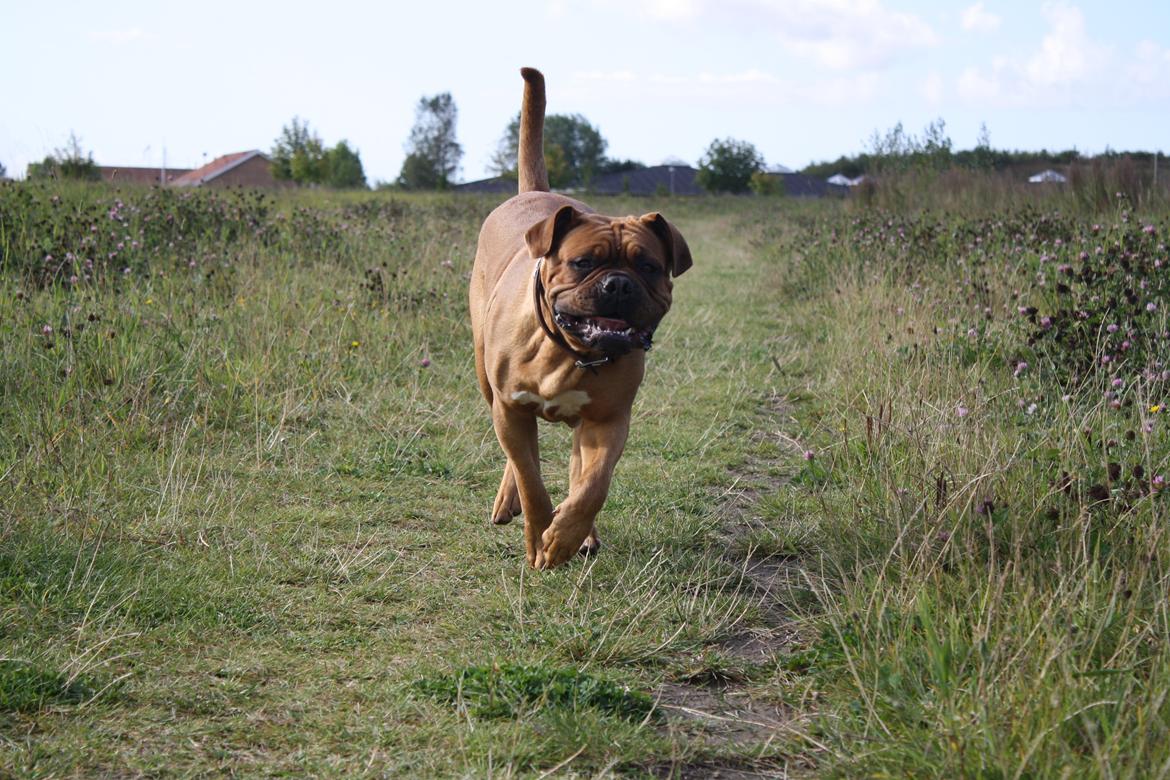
<point x="1048" y="177"/>
<point x="660" y="180"/>
<point x="126" y="174"/>
<point x="844" y="181"/>
<point x="655" y="180"/>
<point x="504" y="185"/>
<point x="240" y="169"/>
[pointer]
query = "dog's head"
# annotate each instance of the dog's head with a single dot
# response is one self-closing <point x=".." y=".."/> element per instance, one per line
<point x="608" y="280"/>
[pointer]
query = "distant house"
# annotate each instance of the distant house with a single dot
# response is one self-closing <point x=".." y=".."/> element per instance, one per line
<point x="1047" y="177"/>
<point x="125" y="174"/>
<point x="659" y="179"/>
<point x="798" y="185"/>
<point x="844" y="181"/>
<point x="240" y="169"/>
<point x="663" y="180"/>
<point x="656" y="180"/>
<point x="498" y="184"/>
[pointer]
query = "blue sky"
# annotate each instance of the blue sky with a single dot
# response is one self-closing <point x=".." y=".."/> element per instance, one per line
<point x="803" y="80"/>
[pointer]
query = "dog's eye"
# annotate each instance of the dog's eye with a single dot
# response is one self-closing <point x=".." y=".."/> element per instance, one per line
<point x="647" y="268"/>
<point x="582" y="263"/>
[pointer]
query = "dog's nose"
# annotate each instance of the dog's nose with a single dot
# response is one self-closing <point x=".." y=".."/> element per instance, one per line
<point x="619" y="287"/>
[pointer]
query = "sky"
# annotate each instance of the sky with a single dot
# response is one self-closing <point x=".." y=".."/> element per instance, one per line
<point x="803" y="80"/>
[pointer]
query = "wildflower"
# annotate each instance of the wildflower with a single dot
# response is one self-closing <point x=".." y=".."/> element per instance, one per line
<point x="1112" y="328"/>
<point x="809" y="455"/>
<point x="149" y="301"/>
<point x="1158" y="482"/>
<point x="1031" y="409"/>
<point x="47" y="330"/>
<point x="425" y="362"/>
<point x="354" y="344"/>
<point x="972" y="333"/>
<point x="1046" y="323"/>
<point x="961" y="411"/>
<point x="1148" y="230"/>
<point x="1155" y="408"/>
<point x="1066" y="398"/>
<point x="1021" y="367"/>
<point x="1151" y="306"/>
<point x="447" y="264"/>
<point x="1117" y="382"/>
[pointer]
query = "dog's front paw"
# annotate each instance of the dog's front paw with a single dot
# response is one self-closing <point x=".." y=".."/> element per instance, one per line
<point x="560" y="543"/>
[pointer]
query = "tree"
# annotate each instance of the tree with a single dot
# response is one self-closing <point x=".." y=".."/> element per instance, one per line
<point x="3" y="171"/>
<point x="763" y="183"/>
<point x="298" y="154"/>
<point x="432" y="153"/>
<point x="898" y="150"/>
<point x="981" y="156"/>
<point x="68" y="162"/>
<point x="728" y="165"/>
<point x="344" y="166"/>
<point x="574" y="151"/>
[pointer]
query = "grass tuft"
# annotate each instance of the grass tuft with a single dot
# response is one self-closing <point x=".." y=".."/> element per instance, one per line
<point x="510" y="691"/>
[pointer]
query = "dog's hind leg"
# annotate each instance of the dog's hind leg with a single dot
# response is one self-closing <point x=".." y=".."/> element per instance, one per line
<point x="507" y="504"/>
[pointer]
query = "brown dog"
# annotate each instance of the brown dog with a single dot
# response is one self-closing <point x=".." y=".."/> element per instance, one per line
<point x="564" y="302"/>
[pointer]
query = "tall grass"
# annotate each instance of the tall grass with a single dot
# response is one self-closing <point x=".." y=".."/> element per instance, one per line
<point x="988" y="461"/>
<point x="1093" y="187"/>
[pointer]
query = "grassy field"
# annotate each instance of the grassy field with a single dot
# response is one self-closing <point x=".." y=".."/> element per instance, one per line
<point x="892" y="503"/>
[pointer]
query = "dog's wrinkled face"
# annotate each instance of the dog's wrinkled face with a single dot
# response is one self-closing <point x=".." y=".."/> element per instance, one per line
<point x="608" y="281"/>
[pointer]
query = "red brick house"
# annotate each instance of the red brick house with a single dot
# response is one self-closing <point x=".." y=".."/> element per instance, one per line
<point x="125" y="174"/>
<point x="241" y="169"/>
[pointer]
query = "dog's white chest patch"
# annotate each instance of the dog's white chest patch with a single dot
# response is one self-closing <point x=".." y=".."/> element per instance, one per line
<point x="567" y="404"/>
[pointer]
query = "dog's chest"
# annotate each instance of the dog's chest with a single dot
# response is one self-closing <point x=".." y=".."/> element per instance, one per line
<point x="562" y="406"/>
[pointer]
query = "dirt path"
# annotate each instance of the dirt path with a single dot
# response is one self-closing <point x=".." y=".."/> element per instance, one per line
<point x="730" y="703"/>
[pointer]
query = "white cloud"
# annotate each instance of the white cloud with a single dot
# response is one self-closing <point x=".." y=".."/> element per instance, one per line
<point x="753" y="85"/>
<point x="672" y="10"/>
<point x="1150" y="66"/>
<point x="838" y="35"/>
<point x="978" y="18"/>
<point x="1070" y="68"/>
<point x="1066" y="54"/>
<point x="846" y="34"/>
<point x="118" y="37"/>
<point x="932" y="88"/>
<point x="751" y="76"/>
<point x="975" y="87"/>
<point x="605" y="75"/>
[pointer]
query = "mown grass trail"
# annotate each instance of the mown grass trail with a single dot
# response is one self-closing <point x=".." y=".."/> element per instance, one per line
<point x="245" y="497"/>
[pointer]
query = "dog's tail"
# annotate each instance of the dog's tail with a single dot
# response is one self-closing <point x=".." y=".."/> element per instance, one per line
<point x="530" y="156"/>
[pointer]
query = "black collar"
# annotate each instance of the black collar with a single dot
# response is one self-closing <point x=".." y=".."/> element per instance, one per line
<point x="581" y="360"/>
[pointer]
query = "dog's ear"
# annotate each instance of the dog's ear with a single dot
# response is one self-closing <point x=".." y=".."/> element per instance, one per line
<point x="543" y="237"/>
<point x="676" y="246"/>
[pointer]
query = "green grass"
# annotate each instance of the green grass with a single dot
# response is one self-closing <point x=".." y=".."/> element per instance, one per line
<point x="240" y="508"/>
<point x="244" y="489"/>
